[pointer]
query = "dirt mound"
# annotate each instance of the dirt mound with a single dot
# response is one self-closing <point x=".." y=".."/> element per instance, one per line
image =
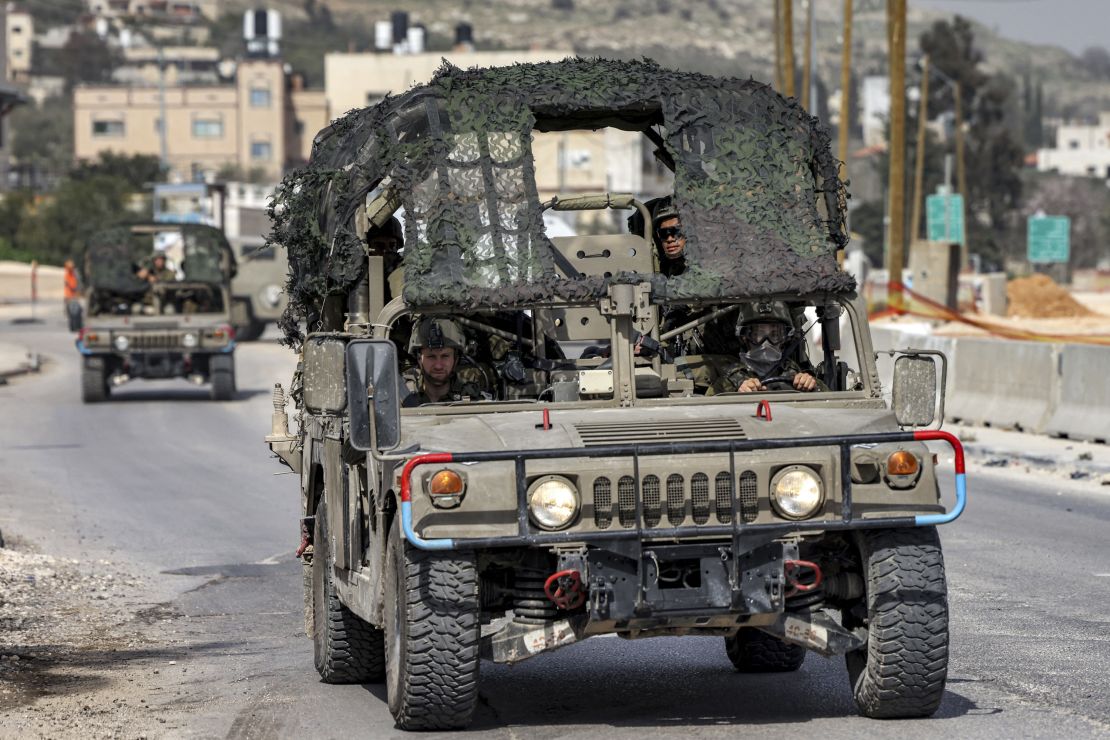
<point x="1039" y="297"/>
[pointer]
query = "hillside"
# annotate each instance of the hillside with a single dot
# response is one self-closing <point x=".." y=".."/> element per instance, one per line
<point x="728" y="37"/>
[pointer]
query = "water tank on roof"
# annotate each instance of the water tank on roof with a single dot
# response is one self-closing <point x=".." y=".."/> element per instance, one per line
<point x="262" y="32"/>
<point x="464" y="34"/>
<point x="400" y="21"/>
<point x="415" y="39"/>
<point x="383" y="35"/>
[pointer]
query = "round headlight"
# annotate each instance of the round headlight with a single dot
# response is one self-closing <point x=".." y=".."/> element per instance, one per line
<point x="188" y="340"/>
<point x="122" y="342"/>
<point x="553" y="502"/>
<point x="796" y="492"/>
<point x="272" y="294"/>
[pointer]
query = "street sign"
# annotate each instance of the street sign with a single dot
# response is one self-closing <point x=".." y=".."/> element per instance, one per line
<point x="1049" y="238"/>
<point x="944" y="218"/>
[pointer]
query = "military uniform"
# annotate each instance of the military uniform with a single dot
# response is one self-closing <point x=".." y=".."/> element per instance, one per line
<point x="733" y="377"/>
<point x="459" y="390"/>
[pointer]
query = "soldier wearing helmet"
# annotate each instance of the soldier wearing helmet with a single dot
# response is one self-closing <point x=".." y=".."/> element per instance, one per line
<point x="437" y="345"/>
<point x="670" y="239"/>
<point x="769" y="344"/>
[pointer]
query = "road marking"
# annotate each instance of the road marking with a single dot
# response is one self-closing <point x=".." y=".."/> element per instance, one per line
<point x="1102" y="575"/>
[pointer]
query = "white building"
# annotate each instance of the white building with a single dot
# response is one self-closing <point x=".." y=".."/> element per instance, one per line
<point x="1080" y="150"/>
<point x="875" y="105"/>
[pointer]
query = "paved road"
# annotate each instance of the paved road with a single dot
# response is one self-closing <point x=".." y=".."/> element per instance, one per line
<point x="183" y="489"/>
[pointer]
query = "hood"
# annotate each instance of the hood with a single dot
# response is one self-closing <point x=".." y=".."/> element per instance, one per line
<point x="593" y="427"/>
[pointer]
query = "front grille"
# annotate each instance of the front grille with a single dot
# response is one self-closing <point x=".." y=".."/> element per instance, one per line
<point x="749" y="496"/>
<point x="723" y="498"/>
<point x="153" y="340"/>
<point x="594" y="434"/>
<point x="676" y="499"/>
<point x="603" y="503"/>
<point x="699" y="497"/>
<point x="685" y="502"/>
<point x="626" y="500"/>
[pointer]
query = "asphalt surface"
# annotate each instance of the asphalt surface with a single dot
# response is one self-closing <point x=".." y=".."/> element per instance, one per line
<point x="184" y="490"/>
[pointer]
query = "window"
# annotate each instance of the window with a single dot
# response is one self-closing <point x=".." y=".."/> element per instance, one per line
<point x="108" y="128"/>
<point x="260" y="150"/>
<point x="17" y="29"/>
<point x="1073" y="144"/>
<point x="208" y="128"/>
<point x="260" y="97"/>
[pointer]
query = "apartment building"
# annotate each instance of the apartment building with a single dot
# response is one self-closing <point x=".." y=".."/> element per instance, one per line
<point x="19" y="32"/>
<point x="262" y="120"/>
<point x="574" y="161"/>
<point x="1082" y="150"/>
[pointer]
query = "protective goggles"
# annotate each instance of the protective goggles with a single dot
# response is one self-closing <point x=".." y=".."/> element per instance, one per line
<point x="671" y="232"/>
<point x="756" y="333"/>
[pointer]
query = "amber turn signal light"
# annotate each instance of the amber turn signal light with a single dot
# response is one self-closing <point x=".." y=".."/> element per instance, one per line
<point x="901" y="463"/>
<point x="446" y="483"/>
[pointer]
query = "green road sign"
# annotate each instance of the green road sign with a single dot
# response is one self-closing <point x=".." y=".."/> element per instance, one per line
<point x="944" y="218"/>
<point x="1049" y="238"/>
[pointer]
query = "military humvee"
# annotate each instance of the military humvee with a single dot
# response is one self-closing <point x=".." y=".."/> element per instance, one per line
<point x="594" y="486"/>
<point x="169" y="328"/>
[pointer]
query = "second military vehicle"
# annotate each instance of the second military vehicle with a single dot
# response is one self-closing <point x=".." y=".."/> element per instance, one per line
<point x="157" y="306"/>
<point x="537" y="440"/>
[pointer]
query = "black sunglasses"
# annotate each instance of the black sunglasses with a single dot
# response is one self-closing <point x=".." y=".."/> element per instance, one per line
<point x="670" y="232"/>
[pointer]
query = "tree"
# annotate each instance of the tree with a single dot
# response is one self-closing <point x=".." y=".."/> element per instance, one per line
<point x="57" y="230"/>
<point x="42" y="139"/>
<point x="137" y="170"/>
<point x="1096" y="60"/>
<point x="86" y="58"/>
<point x="993" y="157"/>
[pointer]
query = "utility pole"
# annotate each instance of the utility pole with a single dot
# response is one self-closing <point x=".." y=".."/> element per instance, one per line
<point x="896" y="10"/>
<point x="919" y="159"/>
<point x="788" y="47"/>
<point x="164" y="147"/>
<point x="845" y="86"/>
<point x="961" y="174"/>
<point x="807" y="67"/>
<point x="778" y="45"/>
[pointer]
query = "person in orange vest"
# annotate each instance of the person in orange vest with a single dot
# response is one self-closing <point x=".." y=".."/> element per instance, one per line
<point x="71" y="292"/>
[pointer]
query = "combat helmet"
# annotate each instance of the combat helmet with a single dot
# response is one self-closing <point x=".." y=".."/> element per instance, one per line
<point x="436" y="333"/>
<point x="764" y="321"/>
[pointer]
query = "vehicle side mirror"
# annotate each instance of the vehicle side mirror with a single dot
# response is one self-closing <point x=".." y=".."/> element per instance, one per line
<point x="914" y="395"/>
<point x="373" y="394"/>
<point x="323" y="374"/>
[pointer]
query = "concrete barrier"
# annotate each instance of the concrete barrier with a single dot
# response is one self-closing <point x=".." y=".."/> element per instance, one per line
<point x="1083" y="407"/>
<point x="1006" y="384"/>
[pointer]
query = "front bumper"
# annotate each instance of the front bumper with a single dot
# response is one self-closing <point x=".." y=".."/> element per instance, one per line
<point x="527" y="535"/>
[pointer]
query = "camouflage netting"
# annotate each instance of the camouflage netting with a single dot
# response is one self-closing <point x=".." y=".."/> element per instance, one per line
<point x="750" y="170"/>
<point x="113" y="256"/>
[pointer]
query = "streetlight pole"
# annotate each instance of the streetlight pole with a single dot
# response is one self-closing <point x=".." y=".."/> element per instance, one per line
<point x="919" y="160"/>
<point x="961" y="169"/>
<point x="896" y="10"/>
<point x="788" y="47"/>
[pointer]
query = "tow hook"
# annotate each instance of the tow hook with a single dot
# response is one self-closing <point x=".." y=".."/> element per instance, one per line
<point x="565" y="589"/>
<point x="305" y="549"/>
<point x="801" y="576"/>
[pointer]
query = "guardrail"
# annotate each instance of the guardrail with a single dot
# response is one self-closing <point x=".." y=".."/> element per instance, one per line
<point x="1046" y="388"/>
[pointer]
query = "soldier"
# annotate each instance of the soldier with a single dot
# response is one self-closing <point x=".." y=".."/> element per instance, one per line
<point x="437" y="345"/>
<point x="770" y="345"/>
<point x="670" y="240"/>
<point x="157" y="271"/>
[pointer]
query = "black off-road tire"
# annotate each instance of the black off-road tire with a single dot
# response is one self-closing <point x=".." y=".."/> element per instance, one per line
<point x="432" y="636"/>
<point x="901" y="671"/>
<point x="346" y="648"/>
<point x="754" y="651"/>
<point x="221" y="373"/>
<point x="94" y="381"/>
